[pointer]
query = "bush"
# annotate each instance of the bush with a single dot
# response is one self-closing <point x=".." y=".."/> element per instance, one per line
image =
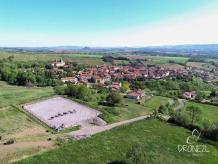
<point x="113" y="99"/>
<point x="60" y="90"/>
<point x="163" y="109"/>
<point x="78" y="91"/>
<point x="211" y="133"/>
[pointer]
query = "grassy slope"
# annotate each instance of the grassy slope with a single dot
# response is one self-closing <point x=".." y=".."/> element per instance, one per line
<point x="14" y="95"/>
<point x="11" y="118"/>
<point x="129" y="109"/>
<point x="208" y="111"/>
<point x="14" y="123"/>
<point x="156" y="101"/>
<point x="161" y="137"/>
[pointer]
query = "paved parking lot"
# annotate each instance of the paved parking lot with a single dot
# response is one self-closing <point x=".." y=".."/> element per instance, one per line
<point x="61" y="112"/>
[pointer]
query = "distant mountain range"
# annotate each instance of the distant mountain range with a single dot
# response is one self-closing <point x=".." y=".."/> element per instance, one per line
<point x="204" y="49"/>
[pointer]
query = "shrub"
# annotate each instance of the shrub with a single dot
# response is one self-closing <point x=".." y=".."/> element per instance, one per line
<point x="113" y="99"/>
<point x="60" y="90"/>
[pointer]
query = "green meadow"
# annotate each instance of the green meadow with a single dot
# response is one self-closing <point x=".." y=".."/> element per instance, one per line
<point x="161" y="139"/>
<point x="208" y="112"/>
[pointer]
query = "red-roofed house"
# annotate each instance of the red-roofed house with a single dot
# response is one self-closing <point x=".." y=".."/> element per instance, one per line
<point x="137" y="95"/>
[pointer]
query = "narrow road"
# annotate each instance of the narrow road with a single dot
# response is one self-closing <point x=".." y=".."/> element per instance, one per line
<point x="181" y="104"/>
<point x="92" y="129"/>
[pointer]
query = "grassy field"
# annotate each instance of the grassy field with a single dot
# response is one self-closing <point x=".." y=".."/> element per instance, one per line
<point x="155" y="101"/>
<point x="30" y="137"/>
<point x="14" y="95"/>
<point x="29" y="134"/>
<point x="129" y="108"/>
<point x="172" y="66"/>
<point x="155" y="137"/>
<point x="209" y="112"/>
<point x="166" y="59"/>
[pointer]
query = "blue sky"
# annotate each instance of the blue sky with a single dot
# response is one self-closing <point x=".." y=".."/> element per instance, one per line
<point x="93" y="22"/>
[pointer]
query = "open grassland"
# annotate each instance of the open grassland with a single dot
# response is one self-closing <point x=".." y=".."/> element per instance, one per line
<point x="166" y="59"/>
<point x="14" y="95"/>
<point x="156" y="137"/>
<point x="155" y="101"/>
<point x="148" y="59"/>
<point x="129" y="108"/>
<point x="209" y="112"/>
<point x="30" y="137"/>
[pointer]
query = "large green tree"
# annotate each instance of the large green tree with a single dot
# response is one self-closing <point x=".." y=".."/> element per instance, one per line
<point x="113" y="99"/>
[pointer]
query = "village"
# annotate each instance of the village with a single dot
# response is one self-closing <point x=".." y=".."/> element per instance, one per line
<point x="107" y="76"/>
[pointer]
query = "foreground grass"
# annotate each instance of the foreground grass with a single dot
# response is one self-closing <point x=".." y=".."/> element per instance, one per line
<point x="155" y="136"/>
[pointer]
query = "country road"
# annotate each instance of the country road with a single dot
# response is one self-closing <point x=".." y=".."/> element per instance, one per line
<point x="92" y="129"/>
<point x="181" y="104"/>
<point x="89" y="129"/>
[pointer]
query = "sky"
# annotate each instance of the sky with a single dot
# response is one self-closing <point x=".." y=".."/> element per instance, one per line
<point x="107" y="23"/>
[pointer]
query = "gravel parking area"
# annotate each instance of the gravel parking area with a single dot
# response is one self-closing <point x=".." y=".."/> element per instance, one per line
<point x="60" y="112"/>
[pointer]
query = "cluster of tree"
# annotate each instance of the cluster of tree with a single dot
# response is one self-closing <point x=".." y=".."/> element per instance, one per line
<point x="113" y="99"/>
<point x="33" y="73"/>
<point x="172" y="88"/>
<point x="112" y="58"/>
<point x="189" y="117"/>
<point x="125" y="87"/>
<point x="165" y="109"/>
<point x="213" y="93"/>
<point x="78" y="91"/>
